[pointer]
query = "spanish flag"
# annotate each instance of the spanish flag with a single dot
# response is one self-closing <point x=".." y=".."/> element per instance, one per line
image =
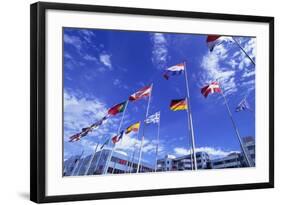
<point x="134" y="127"/>
<point x="179" y="104"/>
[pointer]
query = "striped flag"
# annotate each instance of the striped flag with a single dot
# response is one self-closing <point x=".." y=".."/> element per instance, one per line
<point x="211" y="88"/>
<point x="117" y="138"/>
<point x="179" y="104"/>
<point x="144" y="92"/>
<point x="133" y="128"/>
<point x="174" y="70"/>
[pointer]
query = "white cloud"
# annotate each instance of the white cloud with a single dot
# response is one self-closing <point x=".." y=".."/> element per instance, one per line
<point x="90" y="58"/>
<point x="73" y="40"/>
<point x="105" y="60"/>
<point x="212" y="71"/>
<point x="80" y="112"/>
<point x="159" y="50"/>
<point x="212" y="152"/>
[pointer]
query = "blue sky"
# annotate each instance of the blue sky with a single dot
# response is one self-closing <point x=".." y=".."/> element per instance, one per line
<point x="103" y="67"/>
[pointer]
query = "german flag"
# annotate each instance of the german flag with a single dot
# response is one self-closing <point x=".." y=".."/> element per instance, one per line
<point x="179" y="104"/>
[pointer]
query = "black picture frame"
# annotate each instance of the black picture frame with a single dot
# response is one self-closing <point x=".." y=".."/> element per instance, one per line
<point x="38" y="101"/>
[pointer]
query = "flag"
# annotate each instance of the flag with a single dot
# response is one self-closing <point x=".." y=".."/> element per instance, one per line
<point x="179" y="104"/>
<point x="75" y="137"/>
<point x="144" y="92"/>
<point x="212" y="88"/>
<point x="105" y="143"/>
<point x="97" y="124"/>
<point x="155" y="118"/>
<point x="117" y="108"/>
<point x="214" y="40"/>
<point x="243" y="105"/>
<point x="117" y="138"/>
<point x="174" y="70"/>
<point x="134" y="127"/>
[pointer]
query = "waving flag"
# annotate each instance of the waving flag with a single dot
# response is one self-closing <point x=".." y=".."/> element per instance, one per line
<point x="97" y="124"/>
<point x="117" y="138"/>
<point x="214" y="40"/>
<point x="144" y="92"/>
<point x="179" y="104"/>
<point x="117" y="109"/>
<point x="212" y="88"/>
<point x="155" y="118"/>
<point x="174" y="70"/>
<point x="243" y="105"/>
<point x="133" y="128"/>
<point x="75" y="137"/>
<point x="85" y="131"/>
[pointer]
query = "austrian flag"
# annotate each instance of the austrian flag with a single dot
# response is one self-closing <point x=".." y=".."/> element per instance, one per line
<point x="144" y="92"/>
<point x="212" y="88"/>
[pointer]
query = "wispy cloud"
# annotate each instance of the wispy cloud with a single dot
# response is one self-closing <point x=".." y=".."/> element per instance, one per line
<point x="73" y="40"/>
<point x="106" y="60"/>
<point x="212" y="152"/>
<point x="228" y="65"/>
<point x="159" y="50"/>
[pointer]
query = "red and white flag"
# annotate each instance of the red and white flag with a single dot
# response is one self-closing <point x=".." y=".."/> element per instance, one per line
<point x="174" y="70"/>
<point x="212" y="88"/>
<point x="144" y="92"/>
<point x="214" y="40"/>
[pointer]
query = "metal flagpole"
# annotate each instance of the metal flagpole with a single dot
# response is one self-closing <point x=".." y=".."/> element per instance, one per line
<point x="244" y="51"/>
<point x="188" y="110"/>
<point x="134" y="148"/>
<point x="190" y="142"/>
<point x="144" y="124"/>
<point x="132" y="161"/>
<point x="118" y="132"/>
<point x="91" y="159"/>
<point x="98" y="161"/>
<point x="156" y="154"/>
<point x="237" y="132"/>
<point x="80" y="166"/>
<point x="76" y="164"/>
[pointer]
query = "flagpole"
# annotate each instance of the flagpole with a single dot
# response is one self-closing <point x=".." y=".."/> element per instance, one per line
<point x="76" y="164"/>
<point x="188" y="110"/>
<point x="144" y="124"/>
<point x="244" y="51"/>
<point x="156" y="154"/>
<point x="91" y="159"/>
<point x="237" y="132"/>
<point x="78" y="171"/>
<point x="132" y="161"/>
<point x="133" y="155"/>
<point x="118" y="131"/>
<point x="98" y="161"/>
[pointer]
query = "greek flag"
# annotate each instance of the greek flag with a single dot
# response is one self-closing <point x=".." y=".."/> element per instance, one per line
<point x="155" y="118"/>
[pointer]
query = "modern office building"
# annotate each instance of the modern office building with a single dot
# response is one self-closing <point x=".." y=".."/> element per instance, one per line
<point x="237" y="159"/>
<point x="172" y="163"/>
<point x="233" y="160"/>
<point x="120" y="163"/>
<point x="250" y="146"/>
